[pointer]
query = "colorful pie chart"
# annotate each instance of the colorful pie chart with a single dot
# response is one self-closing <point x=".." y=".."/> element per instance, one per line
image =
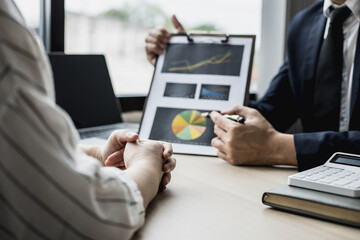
<point x="188" y="125"/>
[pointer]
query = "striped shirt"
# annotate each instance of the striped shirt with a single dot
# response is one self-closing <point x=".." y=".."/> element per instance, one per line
<point x="48" y="188"/>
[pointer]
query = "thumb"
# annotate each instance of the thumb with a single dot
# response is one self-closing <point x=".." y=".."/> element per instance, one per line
<point x="131" y="136"/>
<point x="179" y="28"/>
<point x="115" y="158"/>
<point x="121" y="137"/>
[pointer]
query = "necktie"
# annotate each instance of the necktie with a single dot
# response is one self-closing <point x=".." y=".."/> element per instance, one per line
<point x="328" y="78"/>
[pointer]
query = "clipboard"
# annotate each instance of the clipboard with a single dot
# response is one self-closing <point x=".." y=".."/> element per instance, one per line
<point x="197" y="73"/>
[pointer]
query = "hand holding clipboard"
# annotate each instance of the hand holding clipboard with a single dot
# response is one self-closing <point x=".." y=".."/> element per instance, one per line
<point x="157" y="40"/>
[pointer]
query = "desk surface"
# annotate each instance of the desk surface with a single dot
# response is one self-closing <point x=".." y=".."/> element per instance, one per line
<point x="211" y="199"/>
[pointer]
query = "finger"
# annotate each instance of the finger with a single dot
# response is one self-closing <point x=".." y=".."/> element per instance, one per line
<point x="131" y="136"/>
<point x="119" y="165"/>
<point x="153" y="48"/>
<point x="178" y="26"/>
<point x="222" y="122"/>
<point x="167" y="150"/>
<point x="114" y="158"/>
<point x="152" y="60"/>
<point x="151" y="42"/>
<point x="240" y="110"/>
<point x="169" y="165"/>
<point x="221" y="133"/>
<point x="222" y="155"/>
<point x="164" y="32"/>
<point x="218" y="144"/>
<point x="162" y="187"/>
<point x="165" y="180"/>
<point x="155" y="35"/>
<point x="159" y="35"/>
<point x="123" y="136"/>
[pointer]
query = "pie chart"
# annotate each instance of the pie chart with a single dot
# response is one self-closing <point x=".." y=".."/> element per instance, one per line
<point x="188" y="125"/>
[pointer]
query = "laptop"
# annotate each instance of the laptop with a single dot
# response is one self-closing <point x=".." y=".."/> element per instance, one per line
<point x="83" y="89"/>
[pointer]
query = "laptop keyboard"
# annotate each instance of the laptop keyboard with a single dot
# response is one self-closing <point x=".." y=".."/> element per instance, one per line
<point x="105" y="131"/>
<point x="100" y="133"/>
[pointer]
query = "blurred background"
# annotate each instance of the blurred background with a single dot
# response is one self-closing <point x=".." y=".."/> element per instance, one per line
<point x="117" y="28"/>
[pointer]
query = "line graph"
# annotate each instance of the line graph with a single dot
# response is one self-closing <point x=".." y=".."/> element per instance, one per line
<point x="212" y="59"/>
<point x="218" y="59"/>
<point x="214" y="92"/>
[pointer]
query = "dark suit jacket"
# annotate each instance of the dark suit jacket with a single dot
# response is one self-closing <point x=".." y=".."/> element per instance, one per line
<point x="290" y="95"/>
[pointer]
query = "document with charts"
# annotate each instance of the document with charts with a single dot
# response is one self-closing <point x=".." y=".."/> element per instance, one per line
<point x="197" y="73"/>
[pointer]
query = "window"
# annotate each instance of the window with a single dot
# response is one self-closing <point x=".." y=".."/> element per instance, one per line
<point x="30" y="9"/>
<point x="117" y="28"/>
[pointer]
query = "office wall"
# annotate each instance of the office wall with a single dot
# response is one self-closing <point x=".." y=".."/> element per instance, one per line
<point x="272" y="49"/>
<point x="276" y="16"/>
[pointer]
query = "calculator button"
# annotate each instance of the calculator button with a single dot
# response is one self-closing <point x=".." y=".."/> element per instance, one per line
<point x="342" y="182"/>
<point x="355" y="184"/>
<point x="313" y="178"/>
<point x="298" y="176"/>
<point x="335" y="170"/>
<point x="356" y="176"/>
<point x="347" y="173"/>
<point x="353" y="177"/>
<point x="313" y="171"/>
<point x="326" y="180"/>
<point x="353" y="187"/>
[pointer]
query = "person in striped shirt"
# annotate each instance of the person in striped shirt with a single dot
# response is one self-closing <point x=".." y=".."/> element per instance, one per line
<point x="50" y="187"/>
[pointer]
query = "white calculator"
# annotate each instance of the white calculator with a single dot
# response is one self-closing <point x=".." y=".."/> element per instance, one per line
<point x="339" y="175"/>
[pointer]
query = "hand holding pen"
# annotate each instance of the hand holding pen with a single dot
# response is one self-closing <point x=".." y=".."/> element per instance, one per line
<point x="233" y="117"/>
<point x="254" y="143"/>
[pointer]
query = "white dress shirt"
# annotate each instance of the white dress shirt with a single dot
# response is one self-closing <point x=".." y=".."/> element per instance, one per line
<point x="350" y="31"/>
<point x="48" y="188"/>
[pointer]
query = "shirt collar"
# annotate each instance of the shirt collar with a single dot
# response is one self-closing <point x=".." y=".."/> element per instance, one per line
<point x="353" y="5"/>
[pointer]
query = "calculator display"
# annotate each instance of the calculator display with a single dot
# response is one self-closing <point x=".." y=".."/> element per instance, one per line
<point x="346" y="160"/>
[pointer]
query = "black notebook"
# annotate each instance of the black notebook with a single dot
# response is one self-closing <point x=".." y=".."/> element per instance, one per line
<point x="327" y="206"/>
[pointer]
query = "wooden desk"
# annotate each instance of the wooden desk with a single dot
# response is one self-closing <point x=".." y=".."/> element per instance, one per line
<point x="211" y="199"/>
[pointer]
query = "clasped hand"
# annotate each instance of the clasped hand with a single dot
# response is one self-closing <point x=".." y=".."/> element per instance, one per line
<point x="123" y="148"/>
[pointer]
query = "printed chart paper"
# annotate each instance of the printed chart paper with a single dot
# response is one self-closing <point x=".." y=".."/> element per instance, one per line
<point x="194" y="77"/>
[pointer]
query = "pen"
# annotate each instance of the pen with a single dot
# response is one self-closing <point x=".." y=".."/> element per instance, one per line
<point x="235" y="118"/>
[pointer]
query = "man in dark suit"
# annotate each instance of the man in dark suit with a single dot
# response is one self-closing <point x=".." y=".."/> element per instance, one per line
<point x="318" y="84"/>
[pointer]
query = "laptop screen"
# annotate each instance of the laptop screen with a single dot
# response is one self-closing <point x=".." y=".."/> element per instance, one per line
<point x="83" y="89"/>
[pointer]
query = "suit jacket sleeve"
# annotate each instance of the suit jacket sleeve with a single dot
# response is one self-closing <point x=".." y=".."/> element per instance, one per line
<point x="313" y="149"/>
<point x="278" y="104"/>
<point x="286" y="100"/>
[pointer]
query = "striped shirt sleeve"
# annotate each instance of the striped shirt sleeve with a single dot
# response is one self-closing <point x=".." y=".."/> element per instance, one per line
<point x="48" y="188"/>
